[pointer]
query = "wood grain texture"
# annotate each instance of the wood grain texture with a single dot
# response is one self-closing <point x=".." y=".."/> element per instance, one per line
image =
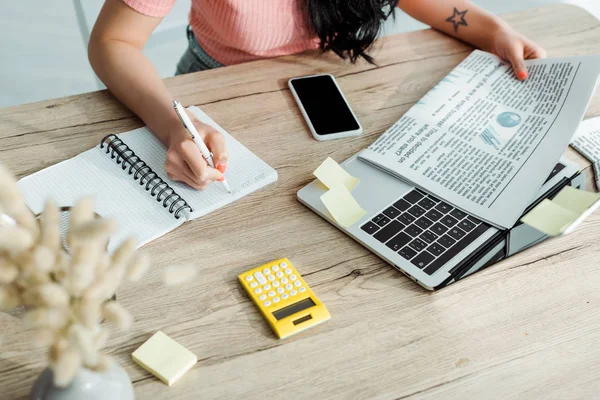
<point x="527" y="327"/>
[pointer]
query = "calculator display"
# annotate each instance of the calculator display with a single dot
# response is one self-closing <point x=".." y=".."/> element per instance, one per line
<point x="293" y="308"/>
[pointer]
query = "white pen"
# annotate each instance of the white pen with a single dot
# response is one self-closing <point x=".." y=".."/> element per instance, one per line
<point x="189" y="126"/>
<point x="596" y="167"/>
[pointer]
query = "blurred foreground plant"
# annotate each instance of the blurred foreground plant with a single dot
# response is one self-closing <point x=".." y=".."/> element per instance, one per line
<point x="66" y="295"/>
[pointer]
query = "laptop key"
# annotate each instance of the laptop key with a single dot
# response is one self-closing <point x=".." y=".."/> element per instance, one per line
<point x="433" y="198"/>
<point x="456" y="233"/>
<point x="384" y="221"/>
<point x="428" y="236"/>
<point x="446" y="241"/>
<point x="406" y="219"/>
<point x="378" y="218"/>
<point x="449" y="221"/>
<point x="418" y="244"/>
<point x="456" y="213"/>
<point x="427" y="203"/>
<point x="407" y="253"/>
<point x="423" y="223"/>
<point x="413" y="197"/>
<point x="391" y="212"/>
<point x="436" y="249"/>
<point x="388" y="231"/>
<point x="438" y="229"/>
<point x="453" y="251"/>
<point x="474" y="220"/>
<point x="416" y="211"/>
<point x="413" y="230"/>
<point x="443" y="207"/>
<point x="402" y="205"/>
<point x="398" y="241"/>
<point x="423" y="260"/>
<point x="370" y="228"/>
<point x="433" y="215"/>
<point x="466" y="225"/>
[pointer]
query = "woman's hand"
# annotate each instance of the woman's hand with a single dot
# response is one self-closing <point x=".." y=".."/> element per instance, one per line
<point x="513" y="47"/>
<point x="185" y="162"/>
<point x="472" y="24"/>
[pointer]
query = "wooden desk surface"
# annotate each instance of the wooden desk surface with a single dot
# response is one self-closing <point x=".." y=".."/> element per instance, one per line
<point x="527" y="327"/>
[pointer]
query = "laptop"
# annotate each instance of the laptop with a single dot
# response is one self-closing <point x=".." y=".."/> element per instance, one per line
<point x="424" y="237"/>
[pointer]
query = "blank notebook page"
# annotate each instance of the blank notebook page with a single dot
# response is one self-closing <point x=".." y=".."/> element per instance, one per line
<point x="94" y="173"/>
<point x="245" y="173"/>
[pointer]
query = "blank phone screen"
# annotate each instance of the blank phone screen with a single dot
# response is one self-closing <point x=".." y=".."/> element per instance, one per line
<point x="324" y="105"/>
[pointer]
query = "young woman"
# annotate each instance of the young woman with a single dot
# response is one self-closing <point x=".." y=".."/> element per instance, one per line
<point x="224" y="32"/>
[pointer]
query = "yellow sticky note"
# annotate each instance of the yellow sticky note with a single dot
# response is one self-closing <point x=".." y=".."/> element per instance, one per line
<point x="164" y="358"/>
<point x="342" y="206"/>
<point x="550" y="218"/>
<point x="575" y="200"/>
<point x="330" y="173"/>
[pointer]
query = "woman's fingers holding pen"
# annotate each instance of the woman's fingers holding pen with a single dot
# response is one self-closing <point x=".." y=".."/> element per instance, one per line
<point x="201" y="171"/>
<point x="184" y="163"/>
<point x="178" y="170"/>
<point x="216" y="143"/>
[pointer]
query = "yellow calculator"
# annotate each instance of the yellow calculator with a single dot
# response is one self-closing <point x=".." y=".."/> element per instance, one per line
<point x="283" y="297"/>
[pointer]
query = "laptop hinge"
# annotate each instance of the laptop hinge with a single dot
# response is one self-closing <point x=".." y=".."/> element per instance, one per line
<point x="461" y="268"/>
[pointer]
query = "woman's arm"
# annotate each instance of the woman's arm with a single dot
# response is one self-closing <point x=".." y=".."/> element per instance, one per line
<point x="115" y="52"/>
<point x="470" y="23"/>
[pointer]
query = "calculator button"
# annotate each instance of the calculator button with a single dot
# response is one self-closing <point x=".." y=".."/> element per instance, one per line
<point x="289" y="286"/>
<point x="267" y="303"/>
<point x="271" y="293"/>
<point x="280" y="290"/>
<point x="266" y="271"/>
<point x="279" y="274"/>
<point x="267" y="287"/>
<point x="258" y="290"/>
<point x="285" y="296"/>
<point x="293" y="293"/>
<point x="276" y="284"/>
<point x="284" y="280"/>
<point x="260" y="277"/>
<point x="298" y="283"/>
<point x="254" y="284"/>
<point x="275" y="268"/>
<point x="302" y="289"/>
<point x="293" y="277"/>
<point x="288" y="271"/>
<point x="262" y="297"/>
<point x="249" y="278"/>
<point x="271" y="278"/>
<point x="276" y="299"/>
<point x="283" y="265"/>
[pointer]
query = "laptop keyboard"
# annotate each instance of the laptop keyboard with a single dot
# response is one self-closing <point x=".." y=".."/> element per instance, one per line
<point x="424" y="230"/>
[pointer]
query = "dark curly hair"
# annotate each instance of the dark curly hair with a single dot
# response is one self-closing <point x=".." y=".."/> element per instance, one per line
<point x="348" y="27"/>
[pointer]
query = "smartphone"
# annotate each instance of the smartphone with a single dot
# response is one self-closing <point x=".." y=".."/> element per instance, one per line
<point x="324" y="107"/>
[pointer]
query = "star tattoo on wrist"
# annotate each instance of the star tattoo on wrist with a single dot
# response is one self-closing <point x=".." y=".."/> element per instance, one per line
<point x="458" y="19"/>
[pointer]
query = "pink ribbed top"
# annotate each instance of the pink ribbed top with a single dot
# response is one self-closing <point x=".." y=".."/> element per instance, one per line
<point x="236" y="31"/>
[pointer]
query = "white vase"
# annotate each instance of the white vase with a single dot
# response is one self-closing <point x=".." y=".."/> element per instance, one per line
<point x="113" y="384"/>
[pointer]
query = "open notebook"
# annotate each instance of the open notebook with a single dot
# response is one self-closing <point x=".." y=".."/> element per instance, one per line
<point x="125" y="175"/>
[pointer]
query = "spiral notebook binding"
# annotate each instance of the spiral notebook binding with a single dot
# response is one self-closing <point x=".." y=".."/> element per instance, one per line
<point x="154" y="184"/>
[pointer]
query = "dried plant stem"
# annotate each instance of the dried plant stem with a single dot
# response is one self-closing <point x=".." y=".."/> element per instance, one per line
<point x="50" y="226"/>
<point x="66" y="367"/>
<point x="15" y="239"/>
<point x="116" y="314"/>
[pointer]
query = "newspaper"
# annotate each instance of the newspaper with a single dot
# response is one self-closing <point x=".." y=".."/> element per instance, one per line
<point x="587" y="142"/>
<point x="483" y="140"/>
<point x="587" y="139"/>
